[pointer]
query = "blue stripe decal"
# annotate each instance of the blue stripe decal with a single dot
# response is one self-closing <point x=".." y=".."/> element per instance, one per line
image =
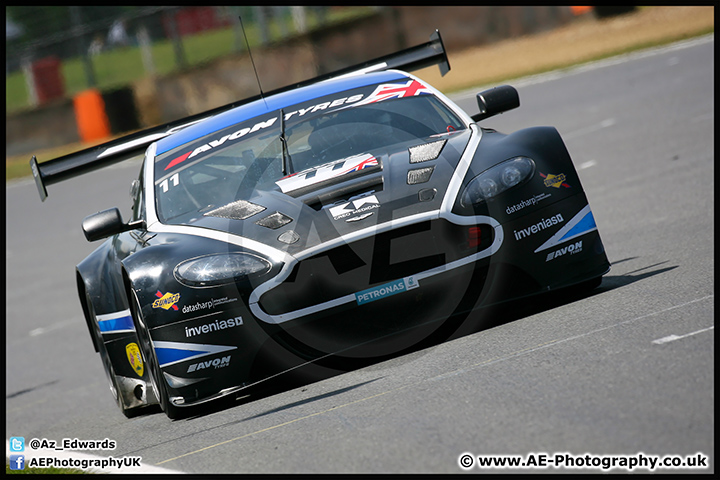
<point x="116" y="324"/>
<point x="169" y="353"/>
<point x="585" y="225"/>
<point x="272" y="103"/>
<point x="172" y="355"/>
<point x="582" y="223"/>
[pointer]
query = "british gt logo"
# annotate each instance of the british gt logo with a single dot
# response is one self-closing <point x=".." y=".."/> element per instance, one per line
<point x="328" y="171"/>
<point x="166" y="301"/>
<point x="388" y="91"/>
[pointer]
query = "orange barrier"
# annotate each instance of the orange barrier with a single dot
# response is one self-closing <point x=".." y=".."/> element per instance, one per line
<point x="92" y="122"/>
<point x="580" y="10"/>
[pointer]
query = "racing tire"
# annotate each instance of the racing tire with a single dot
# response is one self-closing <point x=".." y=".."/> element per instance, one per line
<point x="157" y="382"/>
<point x="129" y="412"/>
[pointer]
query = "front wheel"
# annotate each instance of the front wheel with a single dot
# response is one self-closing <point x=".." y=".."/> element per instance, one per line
<point x="157" y="381"/>
<point x="115" y="387"/>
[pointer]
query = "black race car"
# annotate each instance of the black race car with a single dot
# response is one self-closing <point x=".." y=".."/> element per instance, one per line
<point x="333" y="222"/>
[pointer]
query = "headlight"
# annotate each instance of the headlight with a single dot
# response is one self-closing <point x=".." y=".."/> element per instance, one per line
<point x="496" y="180"/>
<point x="219" y="269"/>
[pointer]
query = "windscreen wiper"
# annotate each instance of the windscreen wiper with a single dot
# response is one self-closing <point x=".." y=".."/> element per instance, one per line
<point x="287" y="167"/>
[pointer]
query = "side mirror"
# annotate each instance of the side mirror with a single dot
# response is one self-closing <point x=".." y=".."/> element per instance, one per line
<point x="106" y="223"/>
<point x="496" y="100"/>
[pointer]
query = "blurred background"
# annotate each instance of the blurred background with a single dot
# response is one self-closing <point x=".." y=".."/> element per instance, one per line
<point x="86" y="74"/>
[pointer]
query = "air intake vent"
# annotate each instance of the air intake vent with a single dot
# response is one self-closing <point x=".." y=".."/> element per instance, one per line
<point x="419" y="175"/>
<point x="426" y="152"/>
<point x="239" y="210"/>
<point x="274" y="220"/>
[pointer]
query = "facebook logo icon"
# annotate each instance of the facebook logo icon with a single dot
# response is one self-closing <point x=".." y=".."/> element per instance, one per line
<point x="17" y="462"/>
<point x="17" y="444"/>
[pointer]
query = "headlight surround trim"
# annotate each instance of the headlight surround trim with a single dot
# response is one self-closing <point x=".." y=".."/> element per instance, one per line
<point x="497" y="179"/>
<point x="220" y="269"/>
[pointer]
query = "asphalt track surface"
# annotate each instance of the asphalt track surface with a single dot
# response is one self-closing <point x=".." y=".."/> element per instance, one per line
<point x="625" y="370"/>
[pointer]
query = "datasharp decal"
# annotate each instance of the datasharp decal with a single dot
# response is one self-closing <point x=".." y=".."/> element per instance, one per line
<point x="538" y="227"/>
<point x="580" y="224"/>
<point x="170" y="353"/>
<point x="166" y="301"/>
<point x="220" y="141"/>
<point x="388" y="91"/>
<point x="360" y="206"/>
<point x="554" y="181"/>
<point x="326" y="172"/>
<point x="526" y="203"/>
<point x="212" y="303"/>
<point x="392" y="288"/>
<point x="134" y="357"/>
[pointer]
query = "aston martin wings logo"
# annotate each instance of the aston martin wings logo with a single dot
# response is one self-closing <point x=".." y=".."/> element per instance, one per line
<point x="359" y="206"/>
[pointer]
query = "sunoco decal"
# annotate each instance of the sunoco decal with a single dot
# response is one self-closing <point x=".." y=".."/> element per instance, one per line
<point x="166" y="301"/>
<point x="134" y="357"/>
<point x="555" y="181"/>
<point x="580" y="224"/>
<point x="392" y="288"/>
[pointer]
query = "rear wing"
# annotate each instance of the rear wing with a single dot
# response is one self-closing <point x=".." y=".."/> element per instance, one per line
<point x="120" y="149"/>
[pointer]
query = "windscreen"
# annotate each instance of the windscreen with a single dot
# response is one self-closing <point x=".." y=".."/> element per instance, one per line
<point x="250" y="157"/>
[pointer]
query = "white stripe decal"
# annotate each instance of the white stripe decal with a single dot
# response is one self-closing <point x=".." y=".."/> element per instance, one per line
<point x="444" y="212"/>
<point x="557" y="239"/>
<point x="171" y="359"/>
<point x="113" y="316"/>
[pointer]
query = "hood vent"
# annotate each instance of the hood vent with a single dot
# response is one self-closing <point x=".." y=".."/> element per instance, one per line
<point x="274" y="220"/>
<point x="419" y="175"/>
<point x="426" y="151"/>
<point x="238" y="210"/>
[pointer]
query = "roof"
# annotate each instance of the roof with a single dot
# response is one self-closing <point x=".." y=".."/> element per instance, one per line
<point x="272" y="103"/>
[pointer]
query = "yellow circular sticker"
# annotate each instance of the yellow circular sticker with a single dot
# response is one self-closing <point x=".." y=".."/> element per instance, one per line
<point x="134" y="357"/>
